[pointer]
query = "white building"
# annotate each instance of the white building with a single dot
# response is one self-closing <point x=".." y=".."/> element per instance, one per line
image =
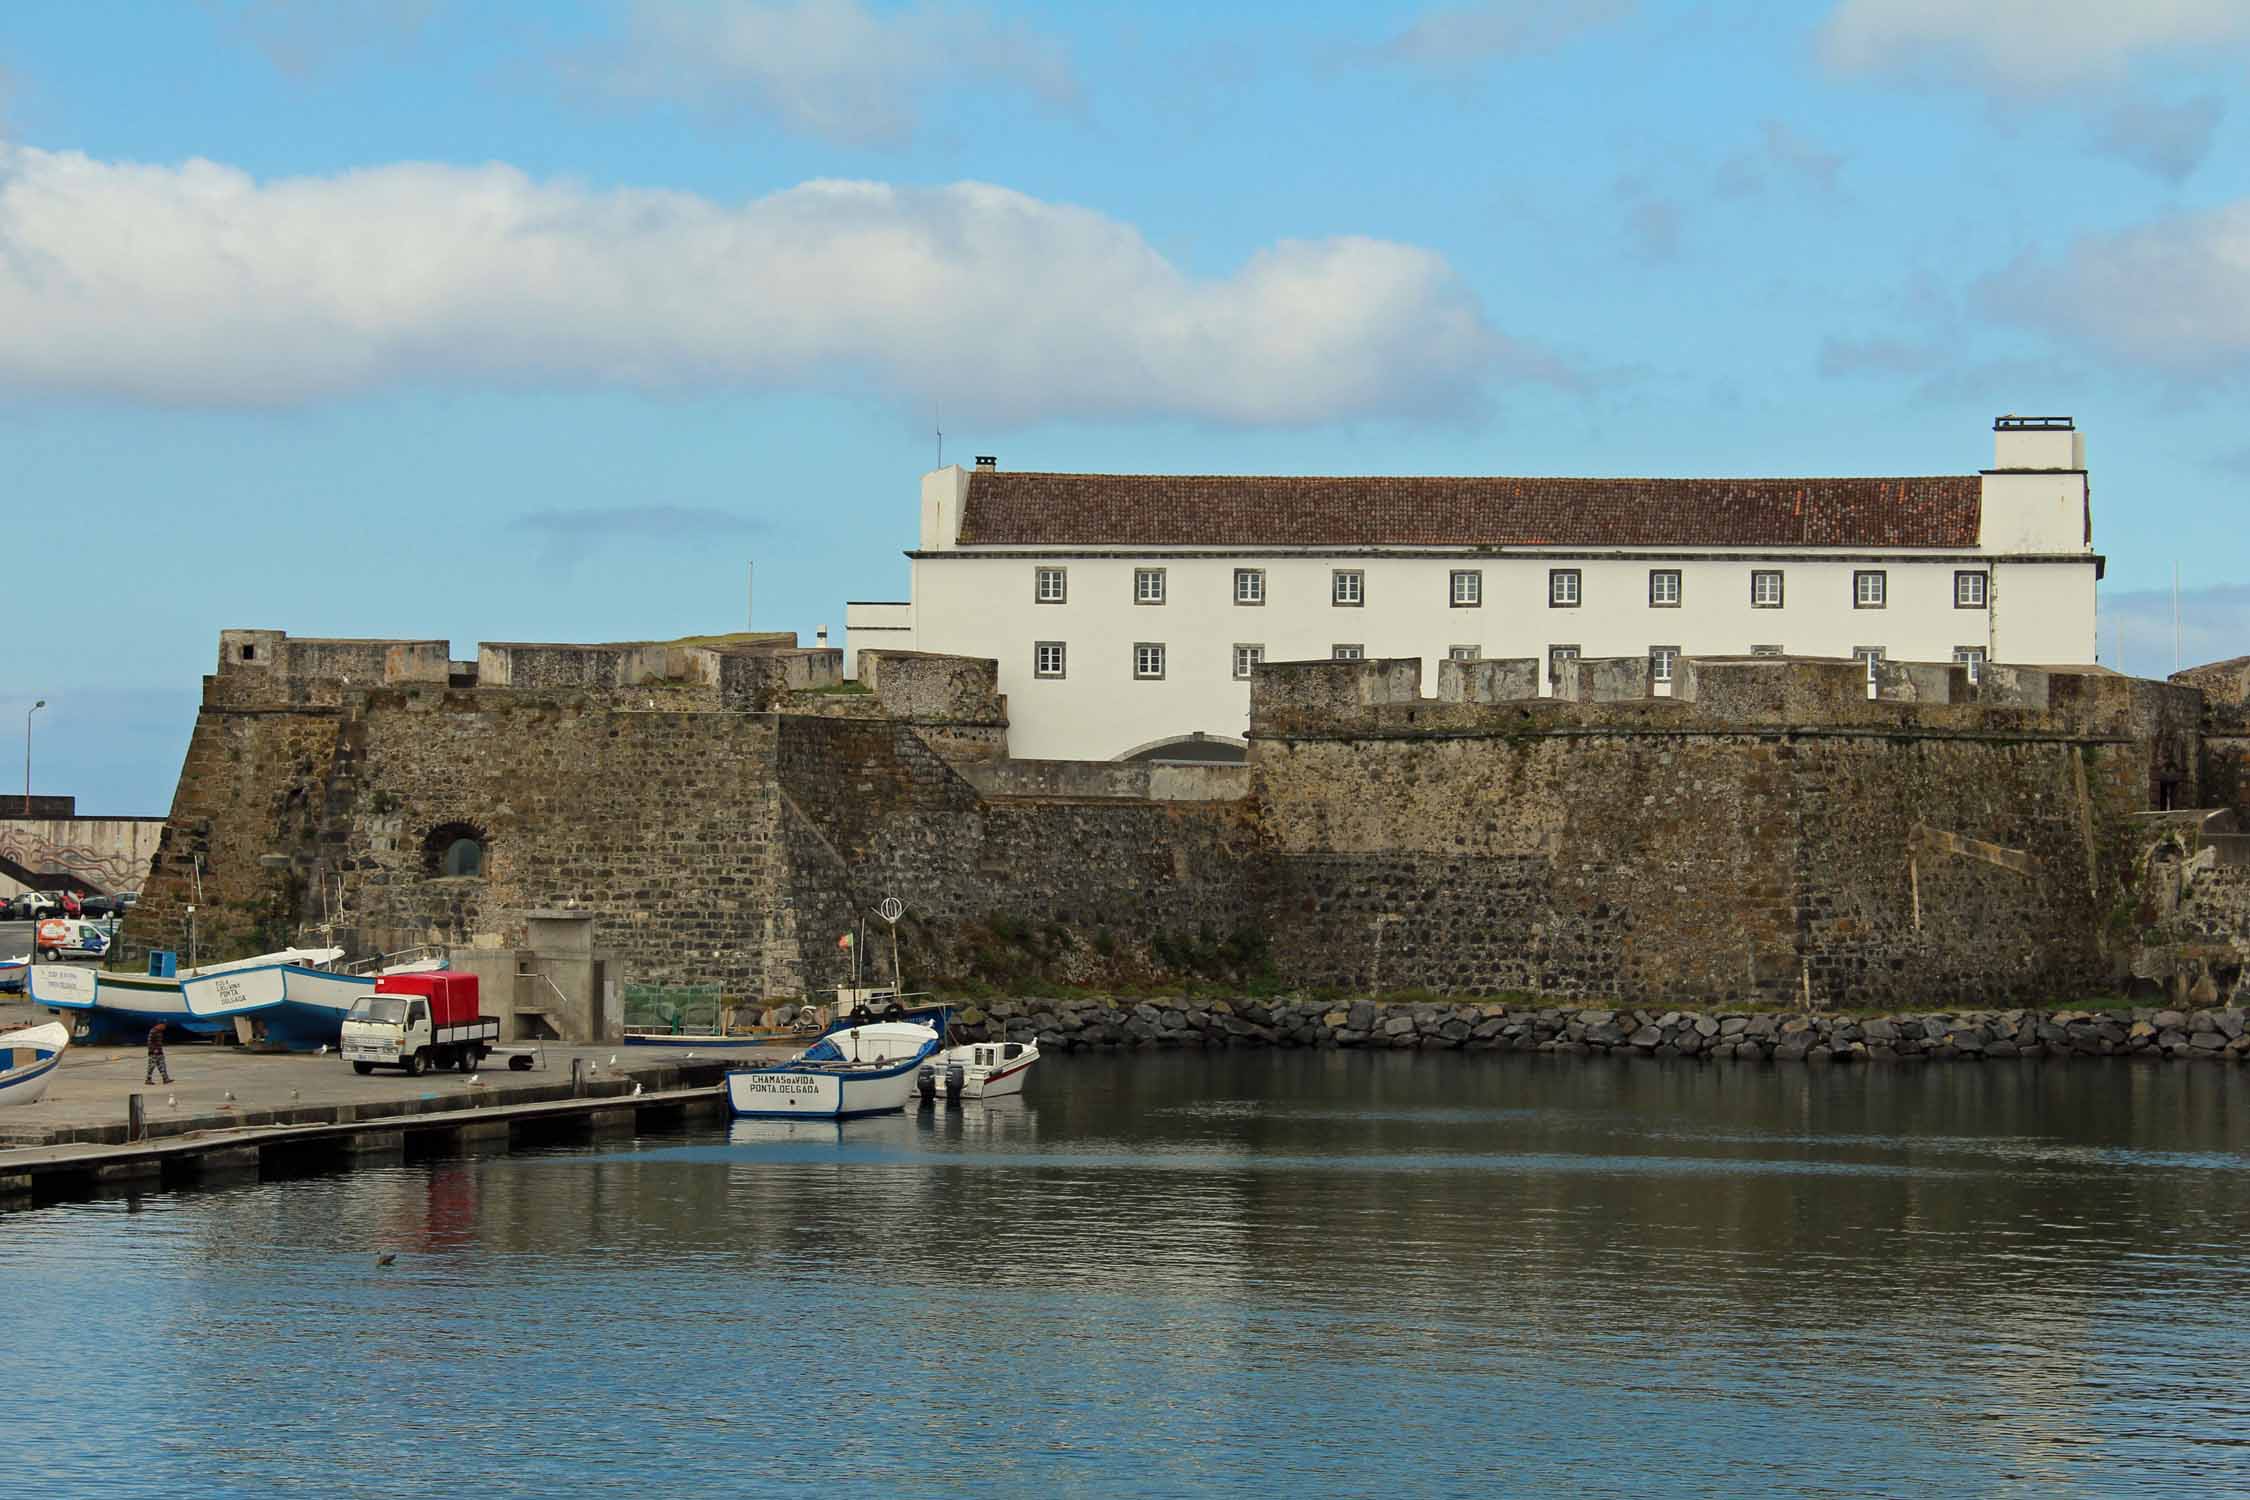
<point x="1127" y="610"/>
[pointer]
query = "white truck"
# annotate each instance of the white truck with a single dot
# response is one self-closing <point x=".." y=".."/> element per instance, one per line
<point x="418" y="1022"/>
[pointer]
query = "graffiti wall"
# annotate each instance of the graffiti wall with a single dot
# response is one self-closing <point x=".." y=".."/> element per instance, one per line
<point x="110" y="854"/>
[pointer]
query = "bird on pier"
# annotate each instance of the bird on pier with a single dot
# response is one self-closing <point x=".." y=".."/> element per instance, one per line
<point x="636" y="1091"/>
<point x="476" y="1080"/>
<point x="613" y="1059"/>
<point x="173" y="1100"/>
<point x="323" y="1052"/>
<point x="295" y="1095"/>
<point x="385" y="1257"/>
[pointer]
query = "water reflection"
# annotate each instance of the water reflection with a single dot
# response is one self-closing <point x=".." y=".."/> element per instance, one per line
<point x="1374" y="1274"/>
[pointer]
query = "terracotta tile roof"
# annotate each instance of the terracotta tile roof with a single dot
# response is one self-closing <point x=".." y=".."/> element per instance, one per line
<point x="1170" y="510"/>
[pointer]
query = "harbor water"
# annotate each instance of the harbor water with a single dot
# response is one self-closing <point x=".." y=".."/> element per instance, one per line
<point x="1240" y="1273"/>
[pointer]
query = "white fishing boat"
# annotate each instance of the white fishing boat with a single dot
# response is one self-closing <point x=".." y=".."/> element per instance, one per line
<point x="857" y="1070"/>
<point x="118" y="1007"/>
<point x="28" y="1059"/>
<point x="13" y="972"/>
<point x="977" y="1070"/>
<point x="298" y="999"/>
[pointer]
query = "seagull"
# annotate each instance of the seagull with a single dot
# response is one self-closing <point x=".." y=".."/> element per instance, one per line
<point x="173" y="1100"/>
<point x="613" y="1059"/>
<point x="474" y="1079"/>
<point x="385" y="1257"/>
<point x="229" y="1096"/>
<point x="295" y="1095"/>
<point x="636" y="1090"/>
<point x="323" y="1052"/>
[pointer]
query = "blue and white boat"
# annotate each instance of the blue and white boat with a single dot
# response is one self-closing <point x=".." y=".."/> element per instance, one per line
<point x="116" y="1007"/>
<point x="28" y="1059"/>
<point x="13" y="973"/>
<point x="854" y="1071"/>
<point x="298" y="1003"/>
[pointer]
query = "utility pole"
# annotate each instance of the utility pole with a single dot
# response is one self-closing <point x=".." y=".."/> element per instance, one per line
<point x="27" y="713"/>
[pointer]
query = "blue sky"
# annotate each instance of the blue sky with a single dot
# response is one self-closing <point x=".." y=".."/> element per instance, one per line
<point x="537" y="321"/>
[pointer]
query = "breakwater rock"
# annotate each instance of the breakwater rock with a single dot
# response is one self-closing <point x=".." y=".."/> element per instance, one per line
<point x="1100" y="1023"/>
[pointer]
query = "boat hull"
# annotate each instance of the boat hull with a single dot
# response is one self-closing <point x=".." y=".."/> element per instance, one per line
<point x="989" y="1070"/>
<point x="116" y="1007"/>
<point x="786" y="1093"/>
<point x="298" y="1006"/>
<point x="26" y="1082"/>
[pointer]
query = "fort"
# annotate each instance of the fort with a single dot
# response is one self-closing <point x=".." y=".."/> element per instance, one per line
<point x="1776" y="831"/>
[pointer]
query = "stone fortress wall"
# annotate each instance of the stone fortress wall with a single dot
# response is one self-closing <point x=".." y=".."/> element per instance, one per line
<point x="727" y="806"/>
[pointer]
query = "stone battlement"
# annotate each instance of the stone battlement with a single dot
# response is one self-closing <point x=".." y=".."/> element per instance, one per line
<point x="1724" y="695"/>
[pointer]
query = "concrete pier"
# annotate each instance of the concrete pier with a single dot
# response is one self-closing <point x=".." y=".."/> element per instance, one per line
<point x="233" y="1112"/>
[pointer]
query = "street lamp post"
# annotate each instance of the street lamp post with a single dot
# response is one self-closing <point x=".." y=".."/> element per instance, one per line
<point x="27" y="713"/>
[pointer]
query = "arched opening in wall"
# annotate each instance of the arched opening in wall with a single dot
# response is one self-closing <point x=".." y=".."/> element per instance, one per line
<point x="454" y="849"/>
<point x="1199" y="748"/>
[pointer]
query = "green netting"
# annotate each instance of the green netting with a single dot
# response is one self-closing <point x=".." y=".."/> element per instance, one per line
<point x="674" y="1008"/>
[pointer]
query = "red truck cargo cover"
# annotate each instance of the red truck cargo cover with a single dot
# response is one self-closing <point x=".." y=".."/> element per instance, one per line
<point x="452" y="997"/>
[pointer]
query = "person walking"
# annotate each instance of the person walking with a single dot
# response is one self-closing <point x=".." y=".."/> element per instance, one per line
<point x="156" y="1063"/>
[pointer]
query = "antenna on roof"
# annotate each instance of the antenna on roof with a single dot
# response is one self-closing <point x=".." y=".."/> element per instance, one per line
<point x="937" y="420"/>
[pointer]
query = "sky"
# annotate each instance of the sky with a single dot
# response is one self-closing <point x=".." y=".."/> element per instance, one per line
<point x="515" y="321"/>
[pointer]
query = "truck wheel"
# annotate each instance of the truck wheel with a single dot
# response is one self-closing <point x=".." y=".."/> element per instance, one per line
<point x="363" y="1068"/>
<point x="416" y="1063"/>
<point x="519" y="1064"/>
<point x="466" y="1060"/>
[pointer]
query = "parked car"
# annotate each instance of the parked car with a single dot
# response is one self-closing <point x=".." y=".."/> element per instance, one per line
<point x="66" y="902"/>
<point x="92" y="907"/>
<point x="30" y="906"/>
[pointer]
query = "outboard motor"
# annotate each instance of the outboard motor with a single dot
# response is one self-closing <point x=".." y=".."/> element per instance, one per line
<point x="956" y="1079"/>
<point x="926" y="1081"/>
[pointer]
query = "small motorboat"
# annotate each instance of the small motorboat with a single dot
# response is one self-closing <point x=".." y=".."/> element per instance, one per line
<point x="28" y="1059"/>
<point x="14" y="972"/>
<point x="976" y="1070"/>
<point x="857" y="1070"/>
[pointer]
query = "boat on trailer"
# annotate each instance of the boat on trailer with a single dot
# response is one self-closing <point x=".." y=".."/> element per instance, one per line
<point x="28" y="1060"/>
<point x="859" y="1070"/>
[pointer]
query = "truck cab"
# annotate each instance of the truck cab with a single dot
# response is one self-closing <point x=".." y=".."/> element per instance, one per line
<point x="417" y="1022"/>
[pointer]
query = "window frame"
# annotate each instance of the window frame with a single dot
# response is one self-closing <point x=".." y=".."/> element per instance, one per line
<point x="1679" y="588"/>
<point x="1242" y="671"/>
<point x="1780" y="588"/>
<point x="1256" y="577"/>
<point x="1039" y="577"/>
<point x="1668" y="659"/>
<point x="1577" y="578"/>
<point x="1163" y="588"/>
<point x="1769" y="650"/>
<point x="1357" y="651"/>
<point x="1062" y="660"/>
<point x="1474" y="577"/>
<point x="1975" y="658"/>
<point x="1464" y="653"/>
<point x="1882" y="599"/>
<point x="1336" y="577"/>
<point x="1555" y="659"/>
<point x="1983" y="579"/>
<point x="1871" y="657"/>
<point x="1162" y="661"/>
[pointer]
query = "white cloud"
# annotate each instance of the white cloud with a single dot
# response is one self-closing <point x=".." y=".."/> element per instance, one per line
<point x="197" y="283"/>
<point x="2024" y="47"/>
<point x="2173" y="295"/>
<point x="828" y="68"/>
<point x="1454" y="38"/>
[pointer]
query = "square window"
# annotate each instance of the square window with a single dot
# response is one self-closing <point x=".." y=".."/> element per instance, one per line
<point x="1349" y="589"/>
<point x="1971" y="657"/>
<point x="1148" y="660"/>
<point x="1052" y="585"/>
<point x="1868" y="590"/>
<point x="1148" y="585"/>
<point x="1767" y="651"/>
<point x="1468" y="588"/>
<point x="1348" y="653"/>
<point x="1464" y="653"/>
<point x="1664" y="588"/>
<point x="1765" y="589"/>
<point x="1249" y="585"/>
<point x="1969" y="590"/>
<point x="1661" y="661"/>
<point x="1562" y="588"/>
<point x="1556" y="656"/>
<point x="1047" y="659"/>
<point x="1246" y="658"/>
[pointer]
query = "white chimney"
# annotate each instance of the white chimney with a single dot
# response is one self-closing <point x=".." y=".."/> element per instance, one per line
<point x="820" y="636"/>
<point x="2039" y="444"/>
